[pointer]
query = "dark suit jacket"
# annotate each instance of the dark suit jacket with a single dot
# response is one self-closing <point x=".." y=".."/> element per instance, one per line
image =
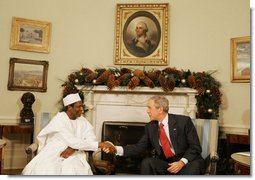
<point x="183" y="136"/>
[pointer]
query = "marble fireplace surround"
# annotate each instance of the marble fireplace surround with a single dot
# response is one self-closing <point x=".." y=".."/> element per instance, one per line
<point x="122" y="104"/>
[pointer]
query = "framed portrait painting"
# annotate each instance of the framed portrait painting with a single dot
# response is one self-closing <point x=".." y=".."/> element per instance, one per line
<point x="240" y="59"/>
<point x="30" y="35"/>
<point x="141" y="34"/>
<point x="28" y="75"/>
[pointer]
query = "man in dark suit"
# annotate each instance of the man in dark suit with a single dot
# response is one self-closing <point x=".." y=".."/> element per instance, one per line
<point x="183" y="154"/>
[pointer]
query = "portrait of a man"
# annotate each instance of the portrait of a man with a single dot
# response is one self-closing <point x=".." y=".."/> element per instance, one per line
<point x="141" y="34"/>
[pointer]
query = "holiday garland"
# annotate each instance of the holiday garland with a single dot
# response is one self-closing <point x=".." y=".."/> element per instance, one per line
<point x="208" y="97"/>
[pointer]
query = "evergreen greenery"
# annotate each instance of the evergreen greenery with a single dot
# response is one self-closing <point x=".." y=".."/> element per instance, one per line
<point x="208" y="88"/>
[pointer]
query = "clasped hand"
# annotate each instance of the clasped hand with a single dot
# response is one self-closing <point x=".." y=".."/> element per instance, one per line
<point x="108" y="147"/>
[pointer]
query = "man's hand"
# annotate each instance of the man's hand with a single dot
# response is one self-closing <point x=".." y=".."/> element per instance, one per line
<point x="107" y="147"/>
<point x="67" y="152"/>
<point x="175" y="167"/>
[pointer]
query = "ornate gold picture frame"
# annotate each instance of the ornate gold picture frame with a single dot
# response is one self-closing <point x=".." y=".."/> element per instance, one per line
<point x="30" y="35"/>
<point x="142" y="34"/>
<point x="28" y="75"/>
<point x="240" y="59"/>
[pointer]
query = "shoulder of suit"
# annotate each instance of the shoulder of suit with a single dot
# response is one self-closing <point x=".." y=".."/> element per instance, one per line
<point x="178" y="116"/>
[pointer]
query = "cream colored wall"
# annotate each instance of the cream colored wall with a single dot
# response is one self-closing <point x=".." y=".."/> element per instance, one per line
<point x="83" y="34"/>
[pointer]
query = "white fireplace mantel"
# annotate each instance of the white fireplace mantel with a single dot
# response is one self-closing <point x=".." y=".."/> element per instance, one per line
<point x="123" y="104"/>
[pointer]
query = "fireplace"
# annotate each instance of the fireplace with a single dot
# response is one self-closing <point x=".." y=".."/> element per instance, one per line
<point x="123" y="134"/>
<point x="122" y="104"/>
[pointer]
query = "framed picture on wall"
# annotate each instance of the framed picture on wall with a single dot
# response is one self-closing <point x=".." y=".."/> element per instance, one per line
<point x="141" y="34"/>
<point x="28" y="75"/>
<point x="240" y="59"/>
<point x="30" y="35"/>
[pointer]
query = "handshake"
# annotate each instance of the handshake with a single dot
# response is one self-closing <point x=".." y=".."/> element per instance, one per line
<point x="107" y="147"/>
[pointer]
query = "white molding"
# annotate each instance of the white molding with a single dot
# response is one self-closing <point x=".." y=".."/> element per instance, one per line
<point x="8" y="120"/>
<point x="137" y="90"/>
<point x="230" y="129"/>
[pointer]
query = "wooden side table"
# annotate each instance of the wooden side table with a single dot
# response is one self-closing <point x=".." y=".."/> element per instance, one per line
<point x="14" y="129"/>
<point x="242" y="162"/>
<point x="234" y="139"/>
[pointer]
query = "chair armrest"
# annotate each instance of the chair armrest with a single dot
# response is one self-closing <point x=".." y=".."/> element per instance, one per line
<point x="99" y="167"/>
<point x="31" y="151"/>
<point x="32" y="148"/>
<point x="91" y="161"/>
<point x="104" y="167"/>
<point x="2" y="143"/>
<point x="214" y="158"/>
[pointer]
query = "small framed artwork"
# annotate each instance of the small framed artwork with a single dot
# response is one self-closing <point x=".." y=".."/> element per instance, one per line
<point x="240" y="59"/>
<point x="30" y="35"/>
<point x="28" y="75"/>
<point x="141" y="34"/>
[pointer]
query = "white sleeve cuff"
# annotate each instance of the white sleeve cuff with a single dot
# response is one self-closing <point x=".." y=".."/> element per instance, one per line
<point x="120" y="150"/>
<point x="184" y="160"/>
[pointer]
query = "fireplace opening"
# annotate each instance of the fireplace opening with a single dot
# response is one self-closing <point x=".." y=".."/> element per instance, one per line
<point x="123" y="134"/>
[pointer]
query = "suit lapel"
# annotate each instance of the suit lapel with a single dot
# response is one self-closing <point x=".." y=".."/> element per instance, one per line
<point x="173" y="131"/>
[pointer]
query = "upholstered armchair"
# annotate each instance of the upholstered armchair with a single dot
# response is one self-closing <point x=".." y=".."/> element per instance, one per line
<point x="207" y="130"/>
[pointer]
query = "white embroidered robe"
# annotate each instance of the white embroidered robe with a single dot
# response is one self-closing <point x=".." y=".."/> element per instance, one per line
<point x="60" y="133"/>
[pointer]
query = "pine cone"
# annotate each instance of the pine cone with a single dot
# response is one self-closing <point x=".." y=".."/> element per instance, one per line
<point x="192" y="81"/>
<point x="90" y="77"/>
<point x="111" y="82"/>
<point x="139" y="73"/>
<point x="123" y="80"/>
<point x="200" y="90"/>
<point x="162" y="81"/>
<point x="103" y="78"/>
<point x="170" y="84"/>
<point x="154" y="75"/>
<point x="134" y="81"/>
<point x="148" y="82"/>
<point x="86" y="71"/>
<point x="116" y="83"/>
<point x="72" y="77"/>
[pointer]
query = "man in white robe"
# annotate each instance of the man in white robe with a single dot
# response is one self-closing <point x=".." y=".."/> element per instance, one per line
<point x="63" y="141"/>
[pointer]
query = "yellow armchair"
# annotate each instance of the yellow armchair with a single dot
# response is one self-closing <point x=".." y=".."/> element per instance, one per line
<point x="208" y="130"/>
